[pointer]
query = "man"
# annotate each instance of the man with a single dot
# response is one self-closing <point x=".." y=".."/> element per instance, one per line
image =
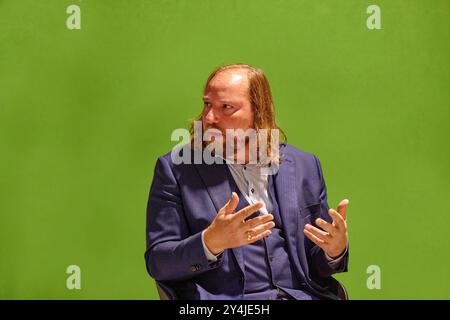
<point x="233" y="230"/>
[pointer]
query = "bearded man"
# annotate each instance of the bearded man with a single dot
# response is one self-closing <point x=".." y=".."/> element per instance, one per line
<point x="232" y="229"/>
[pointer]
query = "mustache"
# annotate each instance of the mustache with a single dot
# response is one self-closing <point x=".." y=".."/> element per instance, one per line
<point x="212" y="127"/>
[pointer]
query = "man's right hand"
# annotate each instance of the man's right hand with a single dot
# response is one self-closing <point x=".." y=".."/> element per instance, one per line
<point x="230" y="230"/>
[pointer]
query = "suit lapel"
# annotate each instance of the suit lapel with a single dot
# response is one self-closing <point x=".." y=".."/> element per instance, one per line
<point x="219" y="184"/>
<point x="287" y="195"/>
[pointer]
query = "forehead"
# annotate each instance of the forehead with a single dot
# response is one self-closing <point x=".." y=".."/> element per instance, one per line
<point x="227" y="83"/>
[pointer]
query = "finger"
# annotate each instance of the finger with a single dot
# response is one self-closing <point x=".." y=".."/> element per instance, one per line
<point x="314" y="239"/>
<point x="322" y="235"/>
<point x="260" y="236"/>
<point x="337" y="218"/>
<point x="262" y="227"/>
<point x="342" y="208"/>
<point x="248" y="210"/>
<point x="231" y="205"/>
<point x="328" y="227"/>
<point x="249" y="224"/>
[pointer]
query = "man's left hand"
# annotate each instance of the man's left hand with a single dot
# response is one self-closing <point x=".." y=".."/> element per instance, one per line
<point x="332" y="237"/>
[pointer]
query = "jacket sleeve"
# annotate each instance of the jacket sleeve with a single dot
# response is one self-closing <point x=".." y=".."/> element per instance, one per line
<point x="319" y="264"/>
<point x="172" y="254"/>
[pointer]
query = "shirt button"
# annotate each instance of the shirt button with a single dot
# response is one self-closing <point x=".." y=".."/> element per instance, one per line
<point x="245" y="168"/>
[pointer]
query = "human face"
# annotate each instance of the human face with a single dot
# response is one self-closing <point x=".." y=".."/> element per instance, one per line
<point x="226" y="102"/>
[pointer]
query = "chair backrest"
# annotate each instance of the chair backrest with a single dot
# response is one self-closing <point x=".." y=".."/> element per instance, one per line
<point x="163" y="295"/>
<point x="342" y="292"/>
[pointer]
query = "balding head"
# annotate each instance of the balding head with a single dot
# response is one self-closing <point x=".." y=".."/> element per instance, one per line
<point x="227" y="101"/>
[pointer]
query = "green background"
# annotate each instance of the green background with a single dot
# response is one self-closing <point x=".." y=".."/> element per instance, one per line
<point x="84" y="114"/>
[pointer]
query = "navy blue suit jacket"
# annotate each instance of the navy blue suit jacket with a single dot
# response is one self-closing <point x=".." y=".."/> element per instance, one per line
<point x="184" y="200"/>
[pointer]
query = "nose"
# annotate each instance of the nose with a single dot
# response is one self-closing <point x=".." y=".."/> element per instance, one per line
<point x="209" y="116"/>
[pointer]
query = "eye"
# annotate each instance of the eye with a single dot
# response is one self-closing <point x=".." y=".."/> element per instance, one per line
<point x="206" y="104"/>
<point x="227" y="107"/>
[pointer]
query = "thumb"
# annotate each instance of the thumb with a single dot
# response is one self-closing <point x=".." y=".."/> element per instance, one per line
<point x="342" y="208"/>
<point x="229" y="207"/>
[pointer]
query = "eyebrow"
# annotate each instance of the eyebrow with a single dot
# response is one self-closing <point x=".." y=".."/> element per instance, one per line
<point x="223" y="101"/>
